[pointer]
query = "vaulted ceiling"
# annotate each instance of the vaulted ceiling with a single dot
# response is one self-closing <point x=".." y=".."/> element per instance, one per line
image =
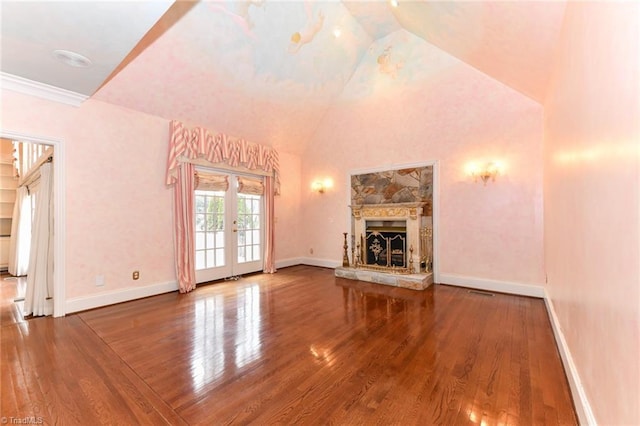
<point x="268" y="70"/>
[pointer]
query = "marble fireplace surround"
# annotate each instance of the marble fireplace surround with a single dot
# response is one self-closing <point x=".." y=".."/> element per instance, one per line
<point x="413" y="214"/>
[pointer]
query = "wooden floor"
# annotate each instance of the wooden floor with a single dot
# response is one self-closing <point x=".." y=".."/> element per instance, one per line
<point x="296" y="347"/>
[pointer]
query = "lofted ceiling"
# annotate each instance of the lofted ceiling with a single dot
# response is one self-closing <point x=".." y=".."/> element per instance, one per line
<point x="268" y="70"/>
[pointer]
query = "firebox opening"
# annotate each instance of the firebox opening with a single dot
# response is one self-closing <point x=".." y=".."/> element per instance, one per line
<point x="386" y="243"/>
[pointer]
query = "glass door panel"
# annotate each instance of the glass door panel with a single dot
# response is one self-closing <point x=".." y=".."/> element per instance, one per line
<point x="249" y="241"/>
<point x="210" y="239"/>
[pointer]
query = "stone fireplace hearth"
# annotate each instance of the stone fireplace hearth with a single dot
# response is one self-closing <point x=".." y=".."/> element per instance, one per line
<point x="410" y="281"/>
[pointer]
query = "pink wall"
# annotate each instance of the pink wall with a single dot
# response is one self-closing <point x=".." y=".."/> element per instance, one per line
<point x="118" y="208"/>
<point x="287" y="209"/>
<point x="455" y="115"/>
<point x="592" y="200"/>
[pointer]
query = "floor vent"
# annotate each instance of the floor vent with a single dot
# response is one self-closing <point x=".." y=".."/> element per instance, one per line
<point x="481" y="293"/>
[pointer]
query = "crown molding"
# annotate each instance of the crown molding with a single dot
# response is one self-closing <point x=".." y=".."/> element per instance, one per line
<point x="41" y="90"/>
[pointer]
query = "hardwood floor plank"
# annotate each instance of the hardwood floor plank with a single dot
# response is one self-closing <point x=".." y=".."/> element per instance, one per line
<point x="299" y="346"/>
<point x="69" y="376"/>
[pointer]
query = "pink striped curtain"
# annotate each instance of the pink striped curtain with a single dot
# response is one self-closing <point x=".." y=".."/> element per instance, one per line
<point x="183" y="213"/>
<point x="269" y="246"/>
<point x="219" y="149"/>
<point x="190" y="144"/>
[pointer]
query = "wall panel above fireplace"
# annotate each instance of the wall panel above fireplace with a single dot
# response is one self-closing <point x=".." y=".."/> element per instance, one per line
<point x="409" y="185"/>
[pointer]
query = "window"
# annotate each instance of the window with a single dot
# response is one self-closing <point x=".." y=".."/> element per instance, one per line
<point x="249" y="228"/>
<point x="210" y="229"/>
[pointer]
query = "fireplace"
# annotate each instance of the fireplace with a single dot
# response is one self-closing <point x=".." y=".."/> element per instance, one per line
<point x="388" y="237"/>
<point x="388" y="246"/>
<point x="391" y="228"/>
<point x="386" y="243"/>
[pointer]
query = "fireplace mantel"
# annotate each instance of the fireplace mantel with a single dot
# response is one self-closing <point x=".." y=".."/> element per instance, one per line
<point x="413" y="215"/>
<point x="388" y="211"/>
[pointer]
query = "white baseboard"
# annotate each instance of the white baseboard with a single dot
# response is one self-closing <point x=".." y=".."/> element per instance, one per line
<point x="583" y="408"/>
<point x="580" y="401"/>
<point x="492" y="285"/>
<point x="84" y="303"/>
<point x="323" y="263"/>
<point x="292" y="261"/>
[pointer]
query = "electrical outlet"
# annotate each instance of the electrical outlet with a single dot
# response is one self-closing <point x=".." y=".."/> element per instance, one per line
<point x="99" y="280"/>
<point x="136" y="275"/>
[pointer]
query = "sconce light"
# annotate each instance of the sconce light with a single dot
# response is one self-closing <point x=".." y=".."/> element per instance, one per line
<point x="485" y="172"/>
<point x="320" y="186"/>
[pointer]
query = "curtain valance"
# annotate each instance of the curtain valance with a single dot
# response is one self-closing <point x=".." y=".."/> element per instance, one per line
<point x="218" y="148"/>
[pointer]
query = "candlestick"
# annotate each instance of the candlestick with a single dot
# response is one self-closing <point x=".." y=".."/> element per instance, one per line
<point x="345" y="256"/>
<point x="411" y="259"/>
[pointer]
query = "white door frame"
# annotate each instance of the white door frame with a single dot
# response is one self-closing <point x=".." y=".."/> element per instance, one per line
<point x="248" y="267"/>
<point x="232" y="267"/>
<point x="436" y="202"/>
<point x="59" y="229"/>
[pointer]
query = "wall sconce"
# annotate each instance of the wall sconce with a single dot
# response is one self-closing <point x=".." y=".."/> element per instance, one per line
<point x="320" y="186"/>
<point x="485" y="172"/>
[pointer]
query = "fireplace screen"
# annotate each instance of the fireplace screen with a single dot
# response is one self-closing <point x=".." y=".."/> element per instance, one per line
<point x="386" y="246"/>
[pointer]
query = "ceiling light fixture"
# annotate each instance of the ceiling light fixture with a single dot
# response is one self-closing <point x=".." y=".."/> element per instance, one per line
<point x="393" y="3"/>
<point x="337" y="32"/>
<point x="72" y="59"/>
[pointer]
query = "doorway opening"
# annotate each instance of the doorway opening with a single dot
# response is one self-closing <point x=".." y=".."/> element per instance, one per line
<point x="33" y="226"/>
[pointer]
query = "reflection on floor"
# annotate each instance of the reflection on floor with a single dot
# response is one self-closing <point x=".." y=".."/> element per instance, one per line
<point x="12" y="291"/>
<point x="296" y="347"/>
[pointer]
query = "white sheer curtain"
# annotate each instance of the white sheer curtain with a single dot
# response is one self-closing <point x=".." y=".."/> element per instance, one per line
<point x="20" y="242"/>
<point x="38" y="298"/>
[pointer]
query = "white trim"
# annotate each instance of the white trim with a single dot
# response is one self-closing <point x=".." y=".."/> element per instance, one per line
<point x="59" y="202"/>
<point x="435" y="217"/>
<point x="323" y="263"/>
<point x="41" y="90"/>
<point x="435" y="203"/>
<point x="492" y="285"/>
<point x="98" y="300"/>
<point x="580" y="400"/>
<point x="392" y="166"/>
<point x="292" y="261"/>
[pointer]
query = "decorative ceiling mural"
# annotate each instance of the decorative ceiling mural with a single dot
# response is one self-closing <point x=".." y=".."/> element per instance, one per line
<point x="395" y="62"/>
<point x="278" y="50"/>
<point x="268" y="70"/>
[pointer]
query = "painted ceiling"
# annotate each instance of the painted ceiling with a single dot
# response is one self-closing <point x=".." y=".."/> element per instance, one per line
<point x="269" y="70"/>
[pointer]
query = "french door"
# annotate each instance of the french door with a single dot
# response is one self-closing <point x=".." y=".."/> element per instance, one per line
<point x="229" y="232"/>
